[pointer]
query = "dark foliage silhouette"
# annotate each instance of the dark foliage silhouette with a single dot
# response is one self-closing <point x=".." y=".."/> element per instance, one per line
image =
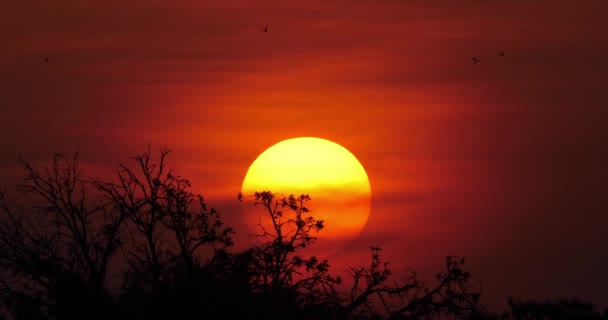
<point x="61" y="235"/>
<point x="567" y="309"/>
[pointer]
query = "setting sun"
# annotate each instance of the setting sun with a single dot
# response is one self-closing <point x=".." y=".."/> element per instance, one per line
<point x="218" y="158"/>
<point x="329" y="173"/>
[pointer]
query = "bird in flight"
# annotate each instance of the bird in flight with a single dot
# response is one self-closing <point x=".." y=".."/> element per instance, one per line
<point x="501" y="53"/>
<point x="265" y="29"/>
<point x="475" y="60"/>
<point x="46" y="59"/>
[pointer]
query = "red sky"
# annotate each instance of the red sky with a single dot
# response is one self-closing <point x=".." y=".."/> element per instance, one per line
<point x="503" y="163"/>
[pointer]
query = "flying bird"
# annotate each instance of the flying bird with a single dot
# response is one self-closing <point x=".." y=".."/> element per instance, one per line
<point x="46" y="59"/>
<point x="501" y="53"/>
<point x="265" y="29"/>
<point x="475" y="60"/>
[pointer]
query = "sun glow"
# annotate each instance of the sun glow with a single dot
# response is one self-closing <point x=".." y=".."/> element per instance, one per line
<point x="329" y="173"/>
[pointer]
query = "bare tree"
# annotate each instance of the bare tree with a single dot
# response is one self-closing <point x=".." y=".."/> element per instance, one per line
<point x="167" y="222"/>
<point x="60" y="244"/>
<point x="55" y="250"/>
<point x="372" y="297"/>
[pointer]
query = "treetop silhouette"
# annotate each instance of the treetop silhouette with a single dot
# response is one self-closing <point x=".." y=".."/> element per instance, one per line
<point x="61" y="234"/>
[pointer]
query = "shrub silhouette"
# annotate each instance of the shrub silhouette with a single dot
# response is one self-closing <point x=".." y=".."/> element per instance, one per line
<point x="567" y="309"/>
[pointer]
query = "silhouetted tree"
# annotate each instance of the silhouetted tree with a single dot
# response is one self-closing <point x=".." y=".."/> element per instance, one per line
<point x="167" y="223"/>
<point x="175" y="246"/>
<point x="279" y="272"/>
<point x="371" y="296"/>
<point x="58" y="248"/>
<point x="55" y="252"/>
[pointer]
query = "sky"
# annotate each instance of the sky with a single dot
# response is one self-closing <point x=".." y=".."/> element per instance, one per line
<point x="502" y="162"/>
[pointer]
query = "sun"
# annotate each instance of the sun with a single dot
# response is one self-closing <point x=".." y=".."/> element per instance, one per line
<point x="336" y="181"/>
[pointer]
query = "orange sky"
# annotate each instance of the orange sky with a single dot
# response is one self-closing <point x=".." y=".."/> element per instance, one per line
<point x="503" y="162"/>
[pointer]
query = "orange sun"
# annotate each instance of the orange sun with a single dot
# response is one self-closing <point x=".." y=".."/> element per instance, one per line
<point x="333" y="177"/>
